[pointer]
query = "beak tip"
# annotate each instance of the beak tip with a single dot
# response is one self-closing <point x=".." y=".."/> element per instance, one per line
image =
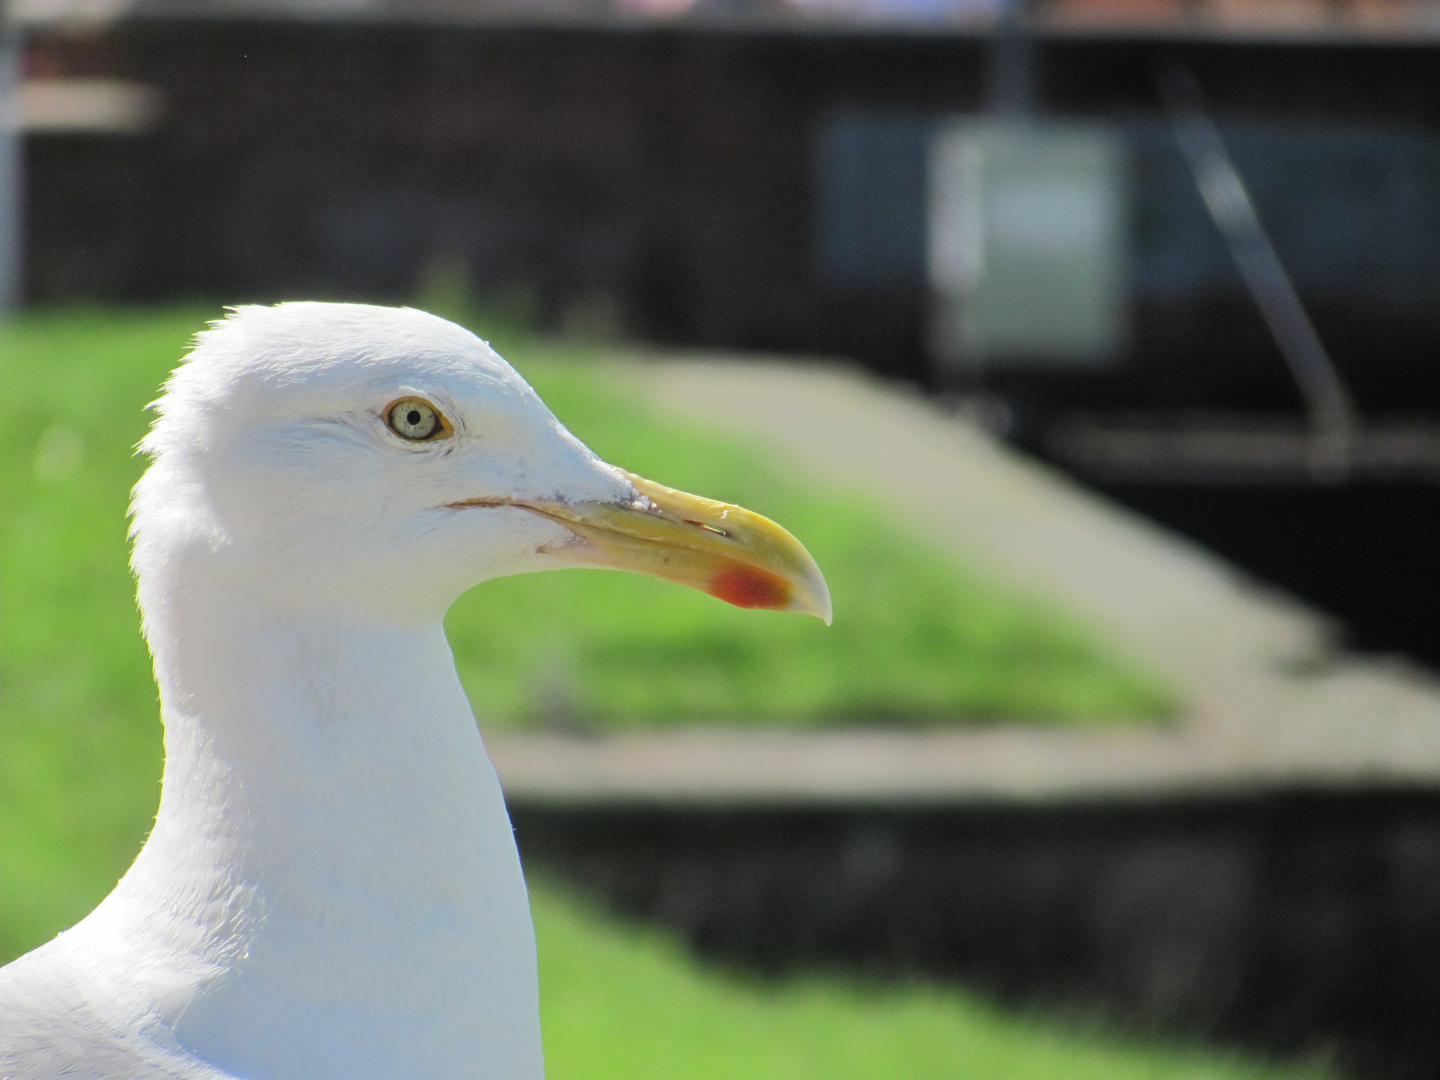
<point x="822" y="608"/>
<point x="814" y="596"/>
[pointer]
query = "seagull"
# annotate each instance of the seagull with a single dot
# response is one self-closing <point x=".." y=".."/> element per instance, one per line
<point x="331" y="888"/>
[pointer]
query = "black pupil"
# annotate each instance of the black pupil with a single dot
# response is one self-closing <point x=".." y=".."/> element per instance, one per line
<point x="413" y="418"/>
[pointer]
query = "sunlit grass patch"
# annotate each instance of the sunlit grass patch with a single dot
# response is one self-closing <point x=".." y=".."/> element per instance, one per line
<point x="621" y="1002"/>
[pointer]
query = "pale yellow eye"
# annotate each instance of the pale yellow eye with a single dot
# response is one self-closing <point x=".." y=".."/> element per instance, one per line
<point x="416" y="420"/>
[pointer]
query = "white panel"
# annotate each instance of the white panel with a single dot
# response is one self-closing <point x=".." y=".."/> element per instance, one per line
<point x="1027" y="239"/>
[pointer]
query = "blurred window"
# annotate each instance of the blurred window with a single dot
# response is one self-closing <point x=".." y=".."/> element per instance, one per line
<point x="1028" y="244"/>
<point x="870" y="200"/>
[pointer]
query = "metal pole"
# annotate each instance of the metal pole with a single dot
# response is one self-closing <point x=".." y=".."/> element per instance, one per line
<point x="1332" y="413"/>
<point x="12" y="180"/>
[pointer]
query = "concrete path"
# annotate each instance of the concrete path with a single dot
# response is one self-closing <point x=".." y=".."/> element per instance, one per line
<point x="1270" y="703"/>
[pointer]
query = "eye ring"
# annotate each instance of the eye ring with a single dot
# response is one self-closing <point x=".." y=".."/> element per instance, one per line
<point x="416" y="420"/>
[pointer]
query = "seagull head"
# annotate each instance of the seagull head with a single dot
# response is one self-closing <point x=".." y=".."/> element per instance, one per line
<point x="383" y="460"/>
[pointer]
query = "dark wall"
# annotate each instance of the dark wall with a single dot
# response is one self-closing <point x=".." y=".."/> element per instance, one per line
<point x="1302" y="924"/>
<point x="667" y="172"/>
<point x="1362" y="552"/>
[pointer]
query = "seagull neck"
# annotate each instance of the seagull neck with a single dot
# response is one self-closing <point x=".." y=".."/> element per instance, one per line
<point x="333" y="849"/>
<point x="290" y="714"/>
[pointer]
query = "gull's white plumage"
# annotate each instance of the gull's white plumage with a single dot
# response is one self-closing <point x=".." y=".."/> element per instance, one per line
<point x="331" y="888"/>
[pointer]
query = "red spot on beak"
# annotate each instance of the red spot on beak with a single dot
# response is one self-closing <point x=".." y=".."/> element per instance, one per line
<point x="747" y="587"/>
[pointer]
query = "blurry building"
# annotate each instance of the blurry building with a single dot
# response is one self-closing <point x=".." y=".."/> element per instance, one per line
<point x="748" y="173"/>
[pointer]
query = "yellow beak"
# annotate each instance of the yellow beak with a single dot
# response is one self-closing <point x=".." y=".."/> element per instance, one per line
<point x="726" y="551"/>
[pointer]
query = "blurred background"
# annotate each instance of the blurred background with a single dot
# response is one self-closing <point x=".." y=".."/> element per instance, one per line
<point x="1093" y="346"/>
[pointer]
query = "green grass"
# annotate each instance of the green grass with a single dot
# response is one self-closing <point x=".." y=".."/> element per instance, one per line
<point x="79" y="734"/>
<point x="80" y="746"/>
<point x="625" y="1003"/>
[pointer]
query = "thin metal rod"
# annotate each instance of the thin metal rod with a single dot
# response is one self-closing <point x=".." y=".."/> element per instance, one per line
<point x="1332" y="412"/>
<point x="12" y="180"/>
